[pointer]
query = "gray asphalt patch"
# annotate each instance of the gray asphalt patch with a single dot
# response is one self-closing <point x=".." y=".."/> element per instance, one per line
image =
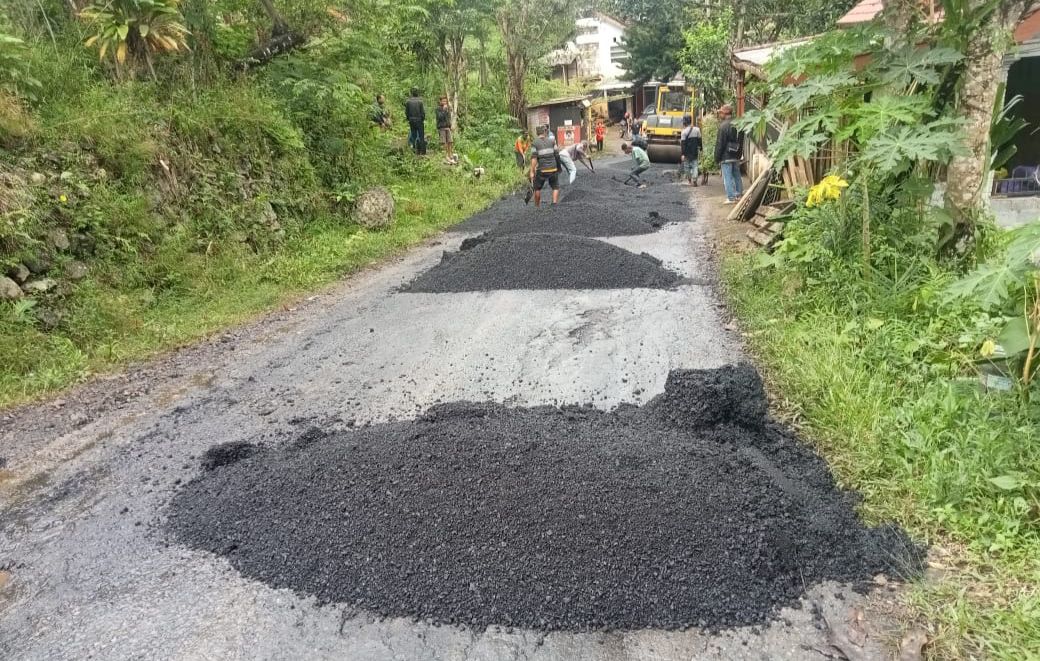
<point x="542" y="261"/>
<point x="547" y="518"/>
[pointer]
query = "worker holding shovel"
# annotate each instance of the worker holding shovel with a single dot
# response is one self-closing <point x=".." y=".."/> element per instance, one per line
<point x="642" y="164"/>
<point x="576" y="152"/>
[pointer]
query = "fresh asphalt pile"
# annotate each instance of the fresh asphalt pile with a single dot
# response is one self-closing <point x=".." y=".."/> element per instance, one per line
<point x="693" y="510"/>
<point x="542" y="261"/>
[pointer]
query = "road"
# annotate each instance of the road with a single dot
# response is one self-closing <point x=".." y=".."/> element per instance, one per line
<point x="88" y="572"/>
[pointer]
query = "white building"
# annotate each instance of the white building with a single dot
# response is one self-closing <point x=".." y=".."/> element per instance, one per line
<point x="601" y="44"/>
<point x="595" y="56"/>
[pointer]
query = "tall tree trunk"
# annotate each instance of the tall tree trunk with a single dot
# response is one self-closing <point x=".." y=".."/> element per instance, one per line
<point x="277" y="20"/>
<point x="454" y="56"/>
<point x="516" y="69"/>
<point x="483" y="60"/>
<point x="968" y="174"/>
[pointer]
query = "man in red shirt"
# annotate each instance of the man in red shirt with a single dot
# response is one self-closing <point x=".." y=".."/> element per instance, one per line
<point x="601" y="133"/>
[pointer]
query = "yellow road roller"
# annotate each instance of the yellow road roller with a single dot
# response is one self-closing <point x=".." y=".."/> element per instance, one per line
<point x="664" y="125"/>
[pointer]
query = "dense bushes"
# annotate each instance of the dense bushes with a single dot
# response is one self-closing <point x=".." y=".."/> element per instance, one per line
<point x="157" y="210"/>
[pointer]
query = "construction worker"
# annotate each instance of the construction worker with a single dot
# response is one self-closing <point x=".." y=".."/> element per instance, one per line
<point x="690" y="144"/>
<point x="545" y="166"/>
<point x="576" y="152"/>
<point x="641" y="161"/>
<point x="523" y="143"/>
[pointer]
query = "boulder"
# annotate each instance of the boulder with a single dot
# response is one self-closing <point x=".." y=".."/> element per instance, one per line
<point x="9" y="289"/>
<point x="19" y="273"/>
<point x="47" y="318"/>
<point x="374" y="208"/>
<point x="76" y="270"/>
<point x="38" y="178"/>
<point x="39" y="286"/>
<point x="58" y="240"/>
<point x="38" y="265"/>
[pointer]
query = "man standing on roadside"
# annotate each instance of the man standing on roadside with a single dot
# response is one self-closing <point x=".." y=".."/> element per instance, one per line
<point x="601" y="134"/>
<point x="641" y="161"/>
<point x="545" y="166"/>
<point x="729" y="152"/>
<point x="444" y="129"/>
<point x="690" y="143"/>
<point x="415" y="113"/>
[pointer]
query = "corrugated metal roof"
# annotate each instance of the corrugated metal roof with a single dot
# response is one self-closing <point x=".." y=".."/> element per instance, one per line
<point x="558" y="102"/>
<point x="759" y="55"/>
<point x="863" y="12"/>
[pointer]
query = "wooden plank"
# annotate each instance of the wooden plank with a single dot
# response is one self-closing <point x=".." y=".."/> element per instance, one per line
<point x="788" y="184"/>
<point x="752" y="198"/>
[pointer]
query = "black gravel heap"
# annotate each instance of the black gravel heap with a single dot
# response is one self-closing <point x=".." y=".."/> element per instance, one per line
<point x="589" y="224"/>
<point x="542" y="261"/>
<point x="546" y="518"/>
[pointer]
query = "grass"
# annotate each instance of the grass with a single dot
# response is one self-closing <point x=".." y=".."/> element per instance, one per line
<point x="921" y="444"/>
<point x="107" y="325"/>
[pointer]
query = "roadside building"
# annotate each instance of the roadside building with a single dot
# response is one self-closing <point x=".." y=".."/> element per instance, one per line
<point x="1015" y="189"/>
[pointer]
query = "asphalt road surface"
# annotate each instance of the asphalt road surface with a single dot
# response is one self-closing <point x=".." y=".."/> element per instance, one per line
<point x="87" y="569"/>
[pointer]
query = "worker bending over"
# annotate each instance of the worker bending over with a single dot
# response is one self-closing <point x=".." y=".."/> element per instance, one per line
<point x="545" y="166"/>
<point x="576" y="152"/>
<point x="641" y="161"/>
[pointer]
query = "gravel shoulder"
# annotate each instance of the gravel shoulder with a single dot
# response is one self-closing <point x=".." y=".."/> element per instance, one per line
<point x="85" y="569"/>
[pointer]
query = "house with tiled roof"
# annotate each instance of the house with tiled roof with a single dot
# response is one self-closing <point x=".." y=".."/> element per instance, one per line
<point x="1015" y="192"/>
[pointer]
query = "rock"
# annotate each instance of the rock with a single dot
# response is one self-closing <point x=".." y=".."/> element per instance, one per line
<point x="38" y="178"/>
<point x="38" y="265"/>
<point x="19" y="273"/>
<point x="374" y="208"/>
<point x="82" y="244"/>
<point x="58" y="240"/>
<point x="48" y="318"/>
<point x="268" y="216"/>
<point x="76" y="270"/>
<point x="40" y="286"/>
<point x="9" y="289"/>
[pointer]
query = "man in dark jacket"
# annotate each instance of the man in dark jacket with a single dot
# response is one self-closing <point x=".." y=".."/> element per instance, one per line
<point x="729" y="152"/>
<point x="415" y="113"/>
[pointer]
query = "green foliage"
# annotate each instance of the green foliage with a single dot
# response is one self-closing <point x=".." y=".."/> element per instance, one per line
<point x="15" y="76"/>
<point x="1004" y="129"/>
<point x="654" y="44"/>
<point x="883" y="109"/>
<point x="135" y="29"/>
<point x="878" y="384"/>
<point x="1008" y="285"/>
<point x="201" y="199"/>
<point x="705" y="57"/>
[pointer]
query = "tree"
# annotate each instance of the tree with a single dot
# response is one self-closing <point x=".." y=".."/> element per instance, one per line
<point x="449" y="24"/>
<point x="653" y="43"/>
<point x="530" y="29"/>
<point x="705" y="57"/>
<point x="983" y="28"/>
